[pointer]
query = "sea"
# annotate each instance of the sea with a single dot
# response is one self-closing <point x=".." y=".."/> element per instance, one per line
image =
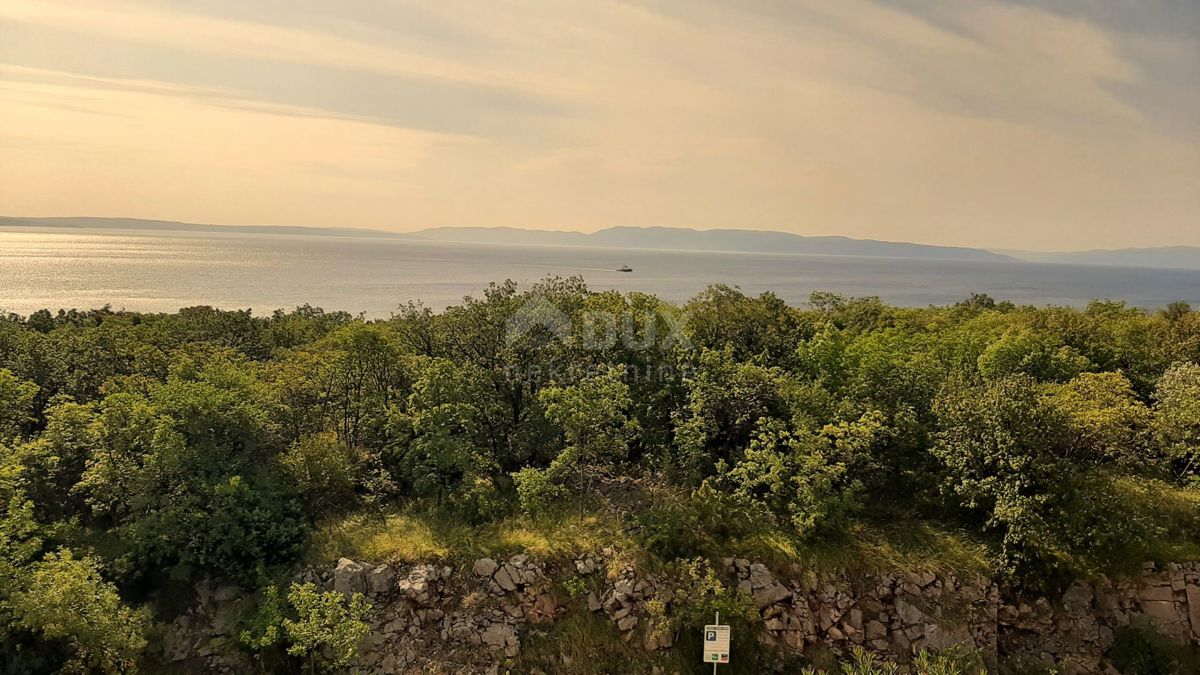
<point x="60" y="268"/>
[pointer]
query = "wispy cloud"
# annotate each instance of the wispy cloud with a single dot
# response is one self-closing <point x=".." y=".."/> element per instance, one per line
<point x="976" y="122"/>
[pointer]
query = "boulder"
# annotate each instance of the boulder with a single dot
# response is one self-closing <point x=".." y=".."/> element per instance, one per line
<point x="484" y="567"/>
<point x="504" y="578"/>
<point x="349" y="577"/>
<point x="418" y="585"/>
<point x="944" y="636"/>
<point x="497" y="634"/>
<point x="760" y="576"/>
<point x="909" y="613"/>
<point x="1156" y="594"/>
<point x="769" y="595"/>
<point x="1193" y="610"/>
<point x="380" y="579"/>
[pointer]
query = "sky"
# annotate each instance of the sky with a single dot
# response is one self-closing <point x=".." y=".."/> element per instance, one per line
<point x="1036" y="124"/>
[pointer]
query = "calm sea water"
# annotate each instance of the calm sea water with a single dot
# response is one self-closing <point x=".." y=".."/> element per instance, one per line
<point x="151" y="272"/>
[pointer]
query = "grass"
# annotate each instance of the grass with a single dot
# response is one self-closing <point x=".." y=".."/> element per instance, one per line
<point x="416" y="534"/>
<point x="419" y="533"/>
<point x="907" y="546"/>
<point x="582" y="643"/>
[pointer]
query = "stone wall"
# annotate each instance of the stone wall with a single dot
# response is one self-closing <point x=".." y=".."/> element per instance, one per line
<point x="427" y="617"/>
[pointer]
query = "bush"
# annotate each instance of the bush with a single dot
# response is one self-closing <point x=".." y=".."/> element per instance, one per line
<point x="1140" y="650"/>
<point x="948" y="662"/>
<point x="703" y="524"/>
<point x="327" y="627"/>
<point x="537" y="489"/>
<point x="323" y="472"/>
<point x="812" y="481"/>
<point x="1001" y="447"/>
<point x="700" y="595"/>
<point x="1115" y="522"/>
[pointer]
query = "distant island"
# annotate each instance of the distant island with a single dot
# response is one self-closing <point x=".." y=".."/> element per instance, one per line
<point x="160" y="226"/>
<point x="665" y="238"/>
<point x="687" y="239"/>
<point x="1178" y="257"/>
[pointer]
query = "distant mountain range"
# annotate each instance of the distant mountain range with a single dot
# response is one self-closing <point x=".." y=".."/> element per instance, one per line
<point x="667" y="238"/>
<point x="685" y="239"/>
<point x="1178" y="257"/>
<point x="139" y="224"/>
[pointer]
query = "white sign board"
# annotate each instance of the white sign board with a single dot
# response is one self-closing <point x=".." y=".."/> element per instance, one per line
<point x="716" y="644"/>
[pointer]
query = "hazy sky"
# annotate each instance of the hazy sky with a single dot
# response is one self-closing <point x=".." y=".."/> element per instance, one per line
<point x="1039" y="124"/>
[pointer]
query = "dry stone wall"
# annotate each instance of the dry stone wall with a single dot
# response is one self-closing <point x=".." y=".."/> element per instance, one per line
<point x="427" y="617"/>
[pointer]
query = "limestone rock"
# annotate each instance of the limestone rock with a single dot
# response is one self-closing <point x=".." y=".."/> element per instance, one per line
<point x="349" y="577"/>
<point x="380" y="579"/>
<point x="484" y="567"/>
<point x="418" y="585"/>
<point x="770" y="595"/>
<point x="504" y="578"/>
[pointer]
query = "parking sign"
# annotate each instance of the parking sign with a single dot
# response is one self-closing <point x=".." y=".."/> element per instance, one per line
<point x="716" y="644"/>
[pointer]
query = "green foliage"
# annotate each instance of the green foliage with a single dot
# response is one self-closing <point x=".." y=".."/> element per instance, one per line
<point x="700" y="595"/>
<point x="1106" y="422"/>
<point x="596" y="431"/>
<point x="327" y="627"/>
<point x="849" y="434"/>
<point x="1141" y="650"/>
<point x="64" y="600"/>
<point x="264" y="630"/>
<point x="812" y="480"/>
<point x="948" y="662"/>
<point x="16" y="405"/>
<point x="726" y="400"/>
<point x="1002" y="449"/>
<point x="1116" y="521"/>
<point x="537" y="489"/>
<point x="705" y="523"/>
<point x="1177" y="416"/>
<point x="323" y="473"/>
<point x="439" y="441"/>
<point x="1038" y="355"/>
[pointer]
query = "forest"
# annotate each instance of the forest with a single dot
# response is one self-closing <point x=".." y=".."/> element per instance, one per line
<point x="140" y="453"/>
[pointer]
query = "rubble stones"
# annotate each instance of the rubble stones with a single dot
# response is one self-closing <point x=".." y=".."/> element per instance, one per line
<point x="426" y="618"/>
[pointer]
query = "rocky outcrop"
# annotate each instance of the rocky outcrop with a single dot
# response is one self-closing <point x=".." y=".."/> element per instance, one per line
<point x="895" y="615"/>
<point x="427" y="617"/>
<point x="1076" y="629"/>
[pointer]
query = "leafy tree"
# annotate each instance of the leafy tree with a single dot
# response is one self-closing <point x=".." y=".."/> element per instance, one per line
<point x="1035" y="354"/>
<point x="726" y="401"/>
<point x="64" y="600"/>
<point x="1003" y="451"/>
<point x="442" y="438"/>
<point x="1106" y="422"/>
<point x="596" y="427"/>
<point x="322" y="471"/>
<point x="55" y="461"/>
<point x="1177" y="415"/>
<point x="16" y="405"/>
<point x="815" y="481"/>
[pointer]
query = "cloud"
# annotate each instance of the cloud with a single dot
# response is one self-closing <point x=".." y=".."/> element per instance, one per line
<point x="979" y="122"/>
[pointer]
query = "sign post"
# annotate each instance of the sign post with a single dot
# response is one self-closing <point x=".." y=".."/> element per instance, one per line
<point x="716" y="643"/>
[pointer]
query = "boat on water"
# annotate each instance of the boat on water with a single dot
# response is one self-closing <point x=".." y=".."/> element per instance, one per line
<point x="624" y="268"/>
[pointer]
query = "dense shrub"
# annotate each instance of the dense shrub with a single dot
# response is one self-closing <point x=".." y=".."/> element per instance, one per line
<point x="141" y="447"/>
